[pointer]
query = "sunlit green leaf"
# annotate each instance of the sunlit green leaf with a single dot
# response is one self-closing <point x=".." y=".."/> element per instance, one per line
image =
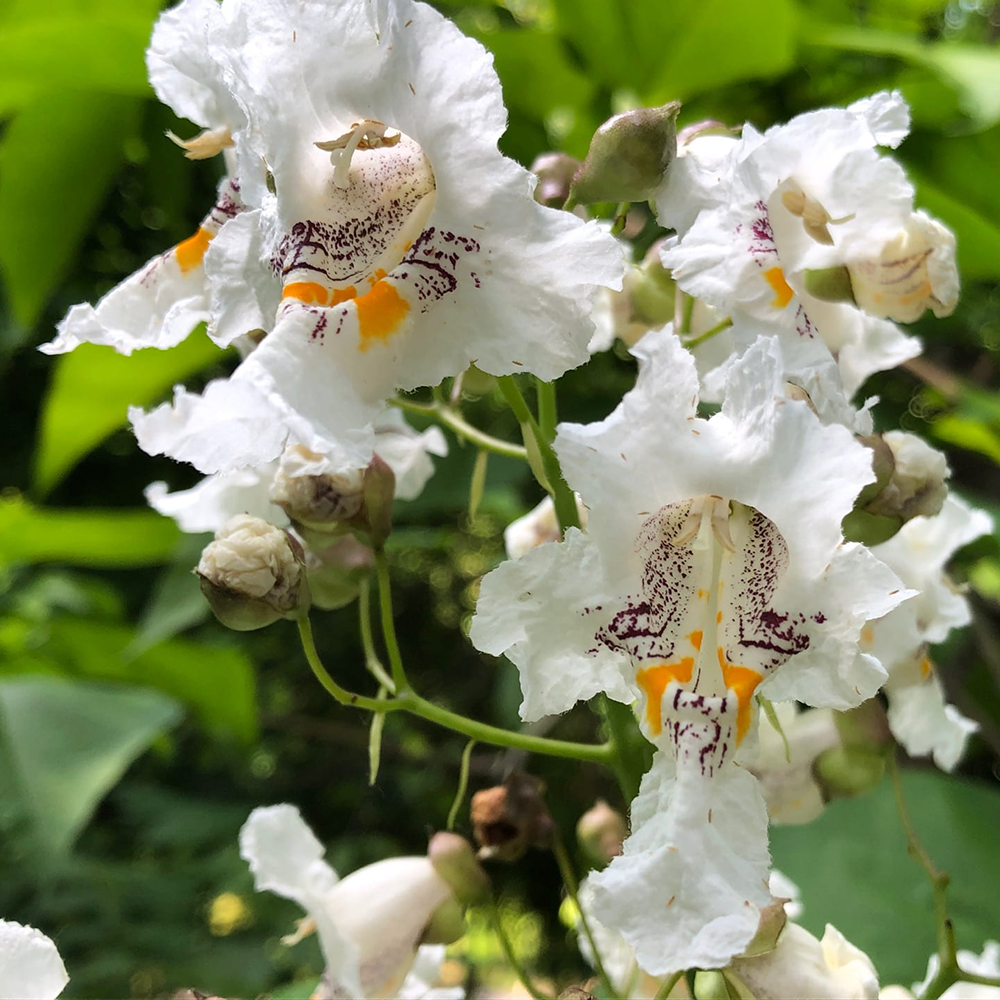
<point x="87" y="537"/>
<point x="966" y="433"/>
<point x="92" y="389"/>
<point x="47" y="198"/>
<point x="854" y="871"/>
<point x="68" y="742"/>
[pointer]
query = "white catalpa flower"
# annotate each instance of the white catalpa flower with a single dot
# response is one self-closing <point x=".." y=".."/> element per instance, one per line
<point x="369" y="923"/>
<point x="802" y="966"/>
<point x="538" y="526"/>
<point x="918" y="715"/>
<point x="167" y="298"/>
<point x="30" y="966"/>
<point x="712" y="565"/>
<point x="217" y="498"/>
<point x="400" y="245"/>
<point x="801" y="199"/>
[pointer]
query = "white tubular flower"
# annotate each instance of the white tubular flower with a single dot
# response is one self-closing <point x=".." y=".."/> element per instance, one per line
<point x="402" y="244"/>
<point x="801" y="966"/>
<point x="217" y="498"/>
<point x="986" y="964"/>
<point x="790" y="789"/>
<point x="167" y="298"/>
<point x="369" y="923"/>
<point x="810" y="196"/>
<point x="918" y="715"/>
<point x="712" y="564"/>
<point x="538" y="526"/>
<point x="30" y="966"/>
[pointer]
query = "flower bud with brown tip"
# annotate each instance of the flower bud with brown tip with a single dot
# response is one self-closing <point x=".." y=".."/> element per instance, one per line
<point x="628" y="156"/>
<point x="252" y="574"/>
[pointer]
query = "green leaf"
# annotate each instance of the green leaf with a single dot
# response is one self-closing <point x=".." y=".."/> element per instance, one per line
<point x="69" y="742"/>
<point x="58" y="159"/>
<point x="216" y="681"/>
<point x="88" y="46"/>
<point x="972" y="69"/>
<point x="597" y="31"/>
<point x="92" y="389"/>
<point x="854" y="871"/>
<point x="88" y="537"/>
<point x="703" y="46"/>
<point x="968" y="433"/>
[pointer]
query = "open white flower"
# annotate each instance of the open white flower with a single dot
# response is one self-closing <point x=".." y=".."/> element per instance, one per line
<point x="806" y="197"/>
<point x="918" y="714"/>
<point x="369" y="923"/>
<point x="167" y="298"/>
<point x="401" y="244"/>
<point x="712" y="565"/>
<point x="30" y="966"/>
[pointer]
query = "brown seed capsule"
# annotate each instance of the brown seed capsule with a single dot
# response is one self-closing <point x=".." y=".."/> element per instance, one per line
<point x="509" y="818"/>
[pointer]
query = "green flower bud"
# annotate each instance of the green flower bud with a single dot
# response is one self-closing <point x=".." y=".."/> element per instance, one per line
<point x="336" y="569"/>
<point x="252" y="574"/>
<point x="628" y="156"/>
<point x="831" y="284"/>
<point x="844" y="772"/>
<point x="455" y="861"/>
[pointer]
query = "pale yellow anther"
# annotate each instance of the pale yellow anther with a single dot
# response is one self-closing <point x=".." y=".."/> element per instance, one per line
<point x="303" y="928"/>
<point x="206" y="144"/>
<point x="711" y="512"/>
<point x="367" y="134"/>
<point x="815" y="218"/>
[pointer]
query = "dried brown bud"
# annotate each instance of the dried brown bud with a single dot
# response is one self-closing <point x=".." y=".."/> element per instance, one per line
<point x="509" y="818"/>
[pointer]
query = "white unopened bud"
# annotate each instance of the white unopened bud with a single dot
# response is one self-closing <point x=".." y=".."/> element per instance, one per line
<point x="252" y="574"/>
<point x="915" y="271"/>
<point x="802" y="966"/>
<point x="538" y="526"/>
<point x="917" y="485"/>
<point x="316" y="499"/>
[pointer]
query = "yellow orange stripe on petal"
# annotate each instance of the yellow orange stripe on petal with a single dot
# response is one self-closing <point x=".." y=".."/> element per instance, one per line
<point x="654" y="681"/>
<point x="742" y="681"/>
<point x="191" y="251"/>
<point x="380" y="313"/>
<point x="783" y="293"/>
<point x="310" y="292"/>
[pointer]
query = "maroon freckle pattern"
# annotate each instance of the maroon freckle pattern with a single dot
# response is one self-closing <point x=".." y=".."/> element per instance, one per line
<point x="753" y="633"/>
<point x="227" y="207"/>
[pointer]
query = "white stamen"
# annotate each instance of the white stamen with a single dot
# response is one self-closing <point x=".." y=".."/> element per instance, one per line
<point x="367" y="134"/>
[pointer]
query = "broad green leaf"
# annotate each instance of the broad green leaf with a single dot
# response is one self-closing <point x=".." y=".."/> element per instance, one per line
<point x="177" y="602"/>
<point x="216" y="681"/>
<point x="97" y="47"/>
<point x="973" y="70"/>
<point x="58" y="158"/>
<point x="537" y="75"/>
<point x="92" y="390"/>
<point x="707" y="45"/>
<point x="597" y="30"/>
<point x="854" y="871"/>
<point x="86" y="537"/>
<point x="69" y="742"/>
<point x="966" y="433"/>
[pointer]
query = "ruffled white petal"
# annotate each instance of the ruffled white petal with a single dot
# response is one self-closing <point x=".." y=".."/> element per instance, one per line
<point x="424" y="973"/>
<point x="688" y="889"/>
<point x="30" y="966"/>
<point x="925" y="725"/>
<point x="286" y="858"/>
<point x="543" y="610"/>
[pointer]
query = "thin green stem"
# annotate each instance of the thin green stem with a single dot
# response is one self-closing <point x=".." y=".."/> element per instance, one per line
<point x="562" y="495"/>
<point x="573" y="891"/>
<point x="341" y="694"/>
<point x="388" y="624"/>
<point x="512" y="959"/>
<point x="597" y="753"/>
<point x="372" y="662"/>
<point x="667" y="985"/>
<point x="621" y="218"/>
<point x="455" y="422"/>
<point x="463" y="784"/>
<point x="547" y="408"/>
<point x="708" y="334"/>
<point x="628" y="764"/>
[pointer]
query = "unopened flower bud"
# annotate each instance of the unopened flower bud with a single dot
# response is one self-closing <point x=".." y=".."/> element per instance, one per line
<point x="651" y="291"/>
<point x="325" y="502"/>
<point x="555" y="174"/>
<point x="628" y="156"/>
<point x="253" y="574"/>
<point x="455" y="861"/>
<point x="336" y="569"/>
<point x="844" y="772"/>
<point x="915" y="271"/>
<point x="538" y="526"/>
<point x="509" y="818"/>
<point x="601" y="831"/>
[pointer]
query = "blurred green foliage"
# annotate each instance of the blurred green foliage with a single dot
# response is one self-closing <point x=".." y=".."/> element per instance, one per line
<point x="130" y="754"/>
